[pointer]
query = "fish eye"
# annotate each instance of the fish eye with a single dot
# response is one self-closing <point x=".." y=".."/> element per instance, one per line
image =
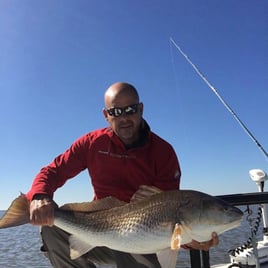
<point x="226" y="208"/>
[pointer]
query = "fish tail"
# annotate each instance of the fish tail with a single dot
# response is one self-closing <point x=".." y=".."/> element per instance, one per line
<point x="17" y="214"/>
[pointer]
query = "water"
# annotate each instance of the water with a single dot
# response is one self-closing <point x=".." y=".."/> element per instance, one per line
<point x="19" y="246"/>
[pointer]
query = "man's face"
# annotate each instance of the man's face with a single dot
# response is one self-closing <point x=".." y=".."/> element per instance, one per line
<point x="124" y="114"/>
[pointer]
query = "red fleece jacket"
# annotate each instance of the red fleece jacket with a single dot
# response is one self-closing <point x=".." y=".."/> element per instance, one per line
<point x="113" y="169"/>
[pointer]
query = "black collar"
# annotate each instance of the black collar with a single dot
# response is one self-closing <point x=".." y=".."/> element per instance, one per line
<point x="143" y="136"/>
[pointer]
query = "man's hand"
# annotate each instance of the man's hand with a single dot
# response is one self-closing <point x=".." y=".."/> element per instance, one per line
<point x="204" y="245"/>
<point x="42" y="210"/>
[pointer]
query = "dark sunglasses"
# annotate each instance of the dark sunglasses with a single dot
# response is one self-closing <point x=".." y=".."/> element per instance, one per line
<point x="128" y="110"/>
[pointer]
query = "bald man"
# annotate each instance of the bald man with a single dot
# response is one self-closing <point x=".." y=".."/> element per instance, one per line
<point x="119" y="158"/>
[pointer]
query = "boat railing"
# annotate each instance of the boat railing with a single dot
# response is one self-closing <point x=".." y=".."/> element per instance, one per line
<point x="200" y="259"/>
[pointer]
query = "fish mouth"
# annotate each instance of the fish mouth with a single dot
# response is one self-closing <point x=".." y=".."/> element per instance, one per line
<point x="233" y="224"/>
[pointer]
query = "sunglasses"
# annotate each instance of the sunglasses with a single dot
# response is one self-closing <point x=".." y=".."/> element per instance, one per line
<point x="128" y="110"/>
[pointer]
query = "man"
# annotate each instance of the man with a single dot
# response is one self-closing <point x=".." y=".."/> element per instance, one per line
<point x="119" y="159"/>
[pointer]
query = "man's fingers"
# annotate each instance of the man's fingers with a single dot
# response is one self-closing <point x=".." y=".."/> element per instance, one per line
<point x="42" y="212"/>
<point x="204" y="245"/>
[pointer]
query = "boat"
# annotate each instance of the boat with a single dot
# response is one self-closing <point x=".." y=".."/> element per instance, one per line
<point x="253" y="253"/>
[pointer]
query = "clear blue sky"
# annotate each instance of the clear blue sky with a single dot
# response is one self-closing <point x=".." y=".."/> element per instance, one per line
<point x="58" y="57"/>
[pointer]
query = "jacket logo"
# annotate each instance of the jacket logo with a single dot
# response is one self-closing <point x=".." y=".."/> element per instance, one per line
<point x="117" y="155"/>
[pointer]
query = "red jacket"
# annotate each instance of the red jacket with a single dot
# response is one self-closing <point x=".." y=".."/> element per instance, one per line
<point x="113" y="169"/>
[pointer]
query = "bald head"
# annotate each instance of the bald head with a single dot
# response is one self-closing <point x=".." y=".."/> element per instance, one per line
<point x="126" y="124"/>
<point x="119" y="89"/>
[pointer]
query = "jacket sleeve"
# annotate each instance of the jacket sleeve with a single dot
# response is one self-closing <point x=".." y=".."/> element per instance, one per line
<point x="63" y="167"/>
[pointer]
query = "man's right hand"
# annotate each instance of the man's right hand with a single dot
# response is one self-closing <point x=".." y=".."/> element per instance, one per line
<point x="42" y="210"/>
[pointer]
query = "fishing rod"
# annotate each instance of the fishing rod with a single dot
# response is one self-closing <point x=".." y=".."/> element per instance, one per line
<point x="248" y="132"/>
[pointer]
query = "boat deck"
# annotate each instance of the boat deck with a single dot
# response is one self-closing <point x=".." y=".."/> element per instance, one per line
<point x="229" y="265"/>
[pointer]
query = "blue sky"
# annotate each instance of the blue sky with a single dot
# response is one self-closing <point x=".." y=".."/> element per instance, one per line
<point x="58" y="57"/>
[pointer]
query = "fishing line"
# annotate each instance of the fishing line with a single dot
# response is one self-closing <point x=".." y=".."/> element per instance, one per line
<point x="248" y="132"/>
<point x="181" y="109"/>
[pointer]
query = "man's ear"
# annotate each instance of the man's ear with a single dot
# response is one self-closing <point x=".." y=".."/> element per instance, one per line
<point x="105" y="114"/>
<point x="141" y="108"/>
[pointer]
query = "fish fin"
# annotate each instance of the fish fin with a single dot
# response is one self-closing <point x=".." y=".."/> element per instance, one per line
<point x="97" y="205"/>
<point x="17" y="214"/>
<point x="167" y="258"/>
<point x="142" y="260"/>
<point x="176" y="237"/>
<point x="145" y="191"/>
<point x="78" y="247"/>
<point x="101" y="256"/>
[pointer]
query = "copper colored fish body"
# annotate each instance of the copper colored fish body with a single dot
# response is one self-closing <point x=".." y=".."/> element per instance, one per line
<point x="154" y="221"/>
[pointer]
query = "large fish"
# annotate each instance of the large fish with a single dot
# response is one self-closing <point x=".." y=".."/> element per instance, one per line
<point x="153" y="222"/>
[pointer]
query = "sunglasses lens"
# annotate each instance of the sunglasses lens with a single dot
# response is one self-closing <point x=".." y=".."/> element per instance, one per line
<point x="115" y="112"/>
<point x="118" y="111"/>
<point x="129" y="110"/>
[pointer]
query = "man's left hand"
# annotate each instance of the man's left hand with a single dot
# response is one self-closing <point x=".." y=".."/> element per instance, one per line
<point x="203" y="245"/>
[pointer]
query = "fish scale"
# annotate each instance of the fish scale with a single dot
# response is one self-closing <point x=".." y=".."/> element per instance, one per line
<point x="127" y="226"/>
